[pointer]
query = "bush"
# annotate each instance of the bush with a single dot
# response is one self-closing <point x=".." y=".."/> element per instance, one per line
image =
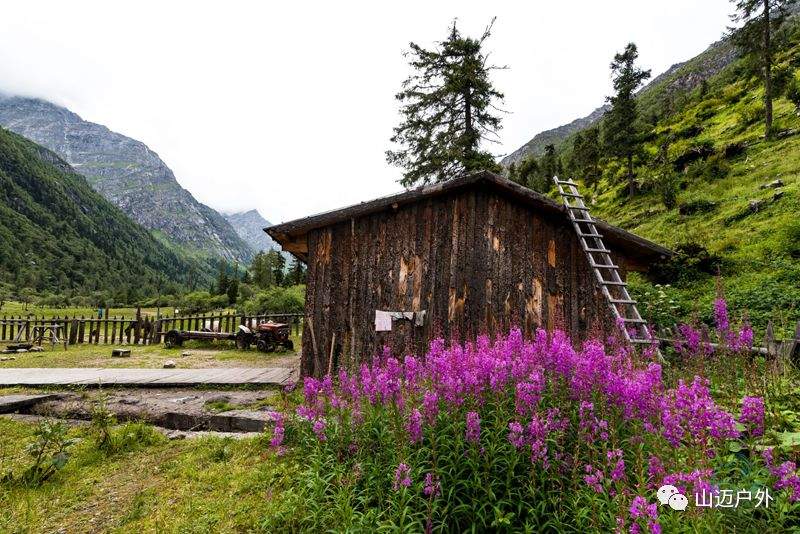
<point x="751" y="114"/>
<point x="277" y="300"/>
<point x="700" y="205"/>
<point x="49" y="450"/>
<point x="516" y="435"/>
<point x="690" y="262"/>
<point x="713" y="168"/>
<point x="202" y="301"/>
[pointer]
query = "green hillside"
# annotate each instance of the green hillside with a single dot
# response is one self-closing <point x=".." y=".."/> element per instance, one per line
<point x="716" y="170"/>
<point x="58" y="235"/>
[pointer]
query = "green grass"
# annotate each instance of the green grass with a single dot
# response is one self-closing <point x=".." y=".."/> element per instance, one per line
<point x="198" y="485"/>
<point x="203" y="355"/>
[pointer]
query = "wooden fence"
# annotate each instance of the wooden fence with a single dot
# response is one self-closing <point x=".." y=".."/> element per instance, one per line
<point x="136" y="330"/>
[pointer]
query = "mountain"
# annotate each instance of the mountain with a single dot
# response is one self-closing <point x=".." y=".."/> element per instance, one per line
<point x="59" y="235"/>
<point x="250" y="227"/>
<point x="679" y="78"/>
<point x="128" y="174"/>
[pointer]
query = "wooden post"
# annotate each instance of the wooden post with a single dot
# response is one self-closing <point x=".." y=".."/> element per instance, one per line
<point x="793" y="350"/>
<point x="769" y="340"/>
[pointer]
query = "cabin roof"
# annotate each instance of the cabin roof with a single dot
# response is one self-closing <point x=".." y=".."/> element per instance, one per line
<point x="292" y="235"/>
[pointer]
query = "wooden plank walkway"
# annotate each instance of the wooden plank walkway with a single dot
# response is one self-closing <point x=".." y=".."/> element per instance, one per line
<point x="268" y="376"/>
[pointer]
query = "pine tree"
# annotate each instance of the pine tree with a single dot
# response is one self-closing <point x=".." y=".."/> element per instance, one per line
<point x="296" y="274"/>
<point x="262" y="271"/>
<point x="620" y="129"/>
<point x="222" y="279"/>
<point x="447" y="108"/>
<point x="585" y="160"/>
<point x="759" y="18"/>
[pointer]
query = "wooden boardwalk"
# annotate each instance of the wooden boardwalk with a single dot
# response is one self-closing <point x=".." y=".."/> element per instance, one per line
<point x="77" y="376"/>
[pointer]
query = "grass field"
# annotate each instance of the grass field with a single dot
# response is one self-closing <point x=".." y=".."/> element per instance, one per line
<point x="201" y="355"/>
<point x="197" y="485"/>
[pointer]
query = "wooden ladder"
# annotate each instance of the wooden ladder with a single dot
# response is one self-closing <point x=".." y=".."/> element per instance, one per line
<point x="615" y="290"/>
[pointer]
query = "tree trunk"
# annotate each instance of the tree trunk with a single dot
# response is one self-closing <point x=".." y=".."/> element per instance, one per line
<point x="631" y="183"/>
<point x="469" y="146"/>
<point x="767" y="73"/>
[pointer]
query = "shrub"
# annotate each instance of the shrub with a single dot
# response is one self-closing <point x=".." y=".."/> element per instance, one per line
<point x="202" y="301"/>
<point x="750" y="115"/>
<point x="49" y="450"/>
<point x="513" y="435"/>
<point x="691" y="261"/>
<point x="700" y="205"/>
<point x="277" y="299"/>
<point x="713" y="168"/>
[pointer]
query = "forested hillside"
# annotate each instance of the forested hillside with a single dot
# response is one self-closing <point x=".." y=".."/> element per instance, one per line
<point x="128" y="174"/>
<point x="709" y="185"/>
<point x="58" y="235"/>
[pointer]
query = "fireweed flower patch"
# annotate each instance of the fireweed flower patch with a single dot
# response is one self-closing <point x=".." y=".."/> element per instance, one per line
<point x="510" y="433"/>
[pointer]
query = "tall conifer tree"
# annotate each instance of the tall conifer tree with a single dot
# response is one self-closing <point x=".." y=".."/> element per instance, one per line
<point x="620" y="127"/>
<point x="447" y="105"/>
<point x="759" y="19"/>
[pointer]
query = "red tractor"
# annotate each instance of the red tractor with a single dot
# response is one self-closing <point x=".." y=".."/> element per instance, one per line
<point x="267" y="337"/>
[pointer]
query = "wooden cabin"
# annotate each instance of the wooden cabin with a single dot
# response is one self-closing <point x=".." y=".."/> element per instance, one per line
<point x="477" y="254"/>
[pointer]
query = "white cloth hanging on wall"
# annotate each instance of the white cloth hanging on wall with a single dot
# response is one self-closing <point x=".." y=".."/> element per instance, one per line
<point x="383" y="319"/>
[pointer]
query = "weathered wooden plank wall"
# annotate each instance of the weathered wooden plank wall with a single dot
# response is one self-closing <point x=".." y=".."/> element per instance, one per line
<point x="477" y="262"/>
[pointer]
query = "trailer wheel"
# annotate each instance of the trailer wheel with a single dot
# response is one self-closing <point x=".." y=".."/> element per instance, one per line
<point x="265" y="346"/>
<point x="242" y="341"/>
<point x="173" y="339"/>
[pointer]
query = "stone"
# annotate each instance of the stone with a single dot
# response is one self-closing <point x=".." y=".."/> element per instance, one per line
<point x="169" y="364"/>
<point x="22" y="351"/>
<point x="185" y="353"/>
<point x="36" y="349"/>
<point x="777" y="195"/>
<point x="772" y="185"/>
<point x="756" y="205"/>
<point x="120" y="353"/>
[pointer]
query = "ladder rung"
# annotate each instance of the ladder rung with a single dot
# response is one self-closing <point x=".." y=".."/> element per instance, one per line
<point x="600" y="266"/>
<point x="598" y="250"/>
<point x="568" y="182"/>
<point x="573" y="195"/>
<point x="640" y="321"/>
<point x="583" y="220"/>
<point x="590" y="235"/>
<point x="622" y="301"/>
<point x="612" y="283"/>
<point x="641" y="341"/>
<point x="577" y="207"/>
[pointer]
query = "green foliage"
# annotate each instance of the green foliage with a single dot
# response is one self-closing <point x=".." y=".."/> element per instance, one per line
<point x="268" y="268"/>
<point x="49" y="452"/>
<point x="447" y="109"/>
<point x="585" y="157"/>
<point x="621" y="131"/>
<point x="690" y="262"/>
<point x="277" y="299"/>
<point x="713" y="168"/>
<point x="201" y="301"/>
<point x="296" y="274"/>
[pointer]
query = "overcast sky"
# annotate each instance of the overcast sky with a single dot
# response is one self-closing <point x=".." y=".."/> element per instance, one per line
<point x="288" y="107"/>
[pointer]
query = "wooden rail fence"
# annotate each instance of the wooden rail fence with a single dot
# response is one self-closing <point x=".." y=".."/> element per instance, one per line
<point x="141" y="330"/>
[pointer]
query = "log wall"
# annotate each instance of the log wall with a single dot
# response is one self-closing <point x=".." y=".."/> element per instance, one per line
<point x="477" y="261"/>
